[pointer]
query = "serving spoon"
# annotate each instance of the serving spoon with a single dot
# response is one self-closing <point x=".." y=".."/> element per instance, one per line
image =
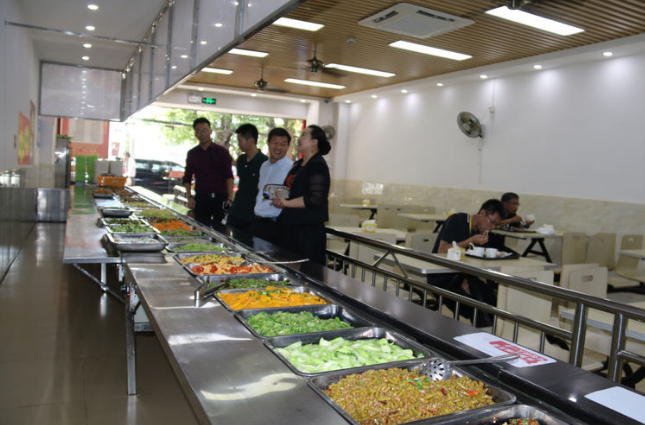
<point x="439" y="369"/>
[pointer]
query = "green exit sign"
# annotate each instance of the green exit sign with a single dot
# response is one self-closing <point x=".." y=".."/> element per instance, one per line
<point x="209" y="100"/>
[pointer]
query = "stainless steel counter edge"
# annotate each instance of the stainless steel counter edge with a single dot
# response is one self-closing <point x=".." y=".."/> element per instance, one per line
<point x="226" y="372"/>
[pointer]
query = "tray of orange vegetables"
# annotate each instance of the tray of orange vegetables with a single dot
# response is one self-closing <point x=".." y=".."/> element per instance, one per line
<point x="269" y="297"/>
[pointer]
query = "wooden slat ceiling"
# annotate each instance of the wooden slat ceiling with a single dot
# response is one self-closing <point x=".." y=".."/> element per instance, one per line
<point x="490" y="40"/>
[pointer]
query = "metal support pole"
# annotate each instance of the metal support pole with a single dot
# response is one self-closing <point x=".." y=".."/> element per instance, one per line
<point x="617" y="344"/>
<point x="131" y="355"/>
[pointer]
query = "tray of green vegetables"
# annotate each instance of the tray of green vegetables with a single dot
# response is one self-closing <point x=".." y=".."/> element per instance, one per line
<point x="350" y="349"/>
<point x="265" y="323"/>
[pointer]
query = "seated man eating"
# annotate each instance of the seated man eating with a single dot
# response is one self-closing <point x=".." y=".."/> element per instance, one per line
<point x="465" y="229"/>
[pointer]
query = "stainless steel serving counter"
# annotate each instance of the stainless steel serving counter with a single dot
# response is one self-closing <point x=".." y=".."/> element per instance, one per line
<point x="226" y="372"/>
<point x="230" y="377"/>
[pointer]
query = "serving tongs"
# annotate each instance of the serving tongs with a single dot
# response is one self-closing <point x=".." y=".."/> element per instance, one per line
<point x="439" y="369"/>
<point x="252" y="262"/>
<point x="206" y="289"/>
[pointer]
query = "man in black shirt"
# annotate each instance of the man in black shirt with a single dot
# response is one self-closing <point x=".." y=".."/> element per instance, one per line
<point x="240" y="215"/>
<point x="465" y="229"/>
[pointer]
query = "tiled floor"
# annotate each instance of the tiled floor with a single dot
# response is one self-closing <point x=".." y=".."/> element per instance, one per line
<point x="62" y="349"/>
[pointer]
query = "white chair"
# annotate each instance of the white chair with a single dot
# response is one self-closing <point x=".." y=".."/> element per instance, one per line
<point x="627" y="274"/>
<point x="386" y="215"/>
<point x="574" y="246"/>
<point x="566" y="270"/>
<point x="366" y="254"/>
<point x="421" y="241"/>
<point x="537" y="307"/>
<point x="590" y="281"/>
<point x="601" y="250"/>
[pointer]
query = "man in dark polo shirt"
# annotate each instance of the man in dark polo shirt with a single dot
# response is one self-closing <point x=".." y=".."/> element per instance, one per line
<point x="465" y="229"/>
<point x="241" y="215"/>
<point x="211" y="164"/>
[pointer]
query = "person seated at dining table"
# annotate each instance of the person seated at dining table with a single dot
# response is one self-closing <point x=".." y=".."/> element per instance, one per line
<point x="465" y="229"/>
<point x="510" y="219"/>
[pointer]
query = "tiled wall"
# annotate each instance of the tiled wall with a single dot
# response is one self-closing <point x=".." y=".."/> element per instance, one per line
<point x="18" y="190"/>
<point x="568" y="214"/>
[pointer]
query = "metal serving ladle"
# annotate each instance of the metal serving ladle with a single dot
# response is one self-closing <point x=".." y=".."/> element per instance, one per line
<point x="439" y="369"/>
<point x="245" y="262"/>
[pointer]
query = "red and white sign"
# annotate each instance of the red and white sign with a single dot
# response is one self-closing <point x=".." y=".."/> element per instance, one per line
<point x="495" y="346"/>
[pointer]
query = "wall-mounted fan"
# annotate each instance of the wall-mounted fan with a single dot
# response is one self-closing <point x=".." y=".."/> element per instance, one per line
<point x="330" y="131"/>
<point x="469" y="125"/>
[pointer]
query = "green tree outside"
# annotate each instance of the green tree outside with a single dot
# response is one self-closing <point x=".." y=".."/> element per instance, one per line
<point x="176" y="126"/>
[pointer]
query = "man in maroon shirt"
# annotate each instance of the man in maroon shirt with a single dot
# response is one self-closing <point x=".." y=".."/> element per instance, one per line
<point x="210" y="163"/>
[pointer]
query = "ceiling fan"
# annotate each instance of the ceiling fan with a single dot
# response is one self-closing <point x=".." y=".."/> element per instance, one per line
<point x="263" y="84"/>
<point x="316" y="65"/>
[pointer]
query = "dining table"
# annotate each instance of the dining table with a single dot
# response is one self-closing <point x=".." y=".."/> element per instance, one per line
<point x="534" y="239"/>
<point x="438" y="219"/>
<point x="399" y="234"/>
<point x="421" y="267"/>
<point x="362" y="207"/>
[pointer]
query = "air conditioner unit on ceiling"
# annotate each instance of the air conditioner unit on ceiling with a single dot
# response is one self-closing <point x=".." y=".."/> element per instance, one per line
<point x="414" y="21"/>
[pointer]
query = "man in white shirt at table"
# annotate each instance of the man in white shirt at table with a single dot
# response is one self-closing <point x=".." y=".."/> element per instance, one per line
<point x="266" y="225"/>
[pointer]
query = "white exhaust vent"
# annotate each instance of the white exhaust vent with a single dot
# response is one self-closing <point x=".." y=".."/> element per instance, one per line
<point x="414" y="21"/>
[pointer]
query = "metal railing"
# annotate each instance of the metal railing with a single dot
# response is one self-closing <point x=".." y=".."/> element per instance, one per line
<point x="583" y="303"/>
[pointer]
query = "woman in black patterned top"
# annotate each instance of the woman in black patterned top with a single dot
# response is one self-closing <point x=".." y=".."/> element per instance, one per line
<point x="306" y="210"/>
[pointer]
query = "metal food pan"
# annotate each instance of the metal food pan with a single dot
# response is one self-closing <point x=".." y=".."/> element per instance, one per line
<point x="220" y="281"/>
<point x="126" y="242"/>
<point x="178" y="256"/>
<point x="326" y="311"/>
<point x="102" y="195"/>
<point x="500" y="415"/>
<point x="500" y="397"/>
<point x="298" y="289"/>
<point x="172" y="247"/>
<point x="108" y="221"/>
<point x="152" y="231"/>
<point x="115" y="212"/>
<point x="187" y="239"/>
<point x="351" y="334"/>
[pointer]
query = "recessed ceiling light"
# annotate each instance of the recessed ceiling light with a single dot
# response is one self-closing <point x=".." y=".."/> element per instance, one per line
<point x="90" y="27"/>
<point x="360" y="70"/>
<point x="219" y="25"/>
<point x="200" y="88"/>
<point x="87" y="45"/>
<point x="404" y="91"/>
<point x="314" y="83"/>
<point x="173" y="67"/>
<point x="348" y="101"/>
<point x="252" y="53"/>
<point x="218" y="71"/>
<point x="302" y="101"/>
<point x="253" y="94"/>
<point x="374" y="96"/>
<point x="483" y="76"/>
<point x="537" y="66"/>
<point x="534" y="21"/>
<point x="184" y="56"/>
<point x="607" y="54"/>
<point x="93" y="7"/>
<point x="297" y="24"/>
<point x="85" y="58"/>
<point x="432" y="51"/>
<point x="203" y="42"/>
<point x="439" y="84"/>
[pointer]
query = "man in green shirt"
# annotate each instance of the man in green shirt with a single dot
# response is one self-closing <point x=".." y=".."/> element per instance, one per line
<point x="240" y="215"/>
